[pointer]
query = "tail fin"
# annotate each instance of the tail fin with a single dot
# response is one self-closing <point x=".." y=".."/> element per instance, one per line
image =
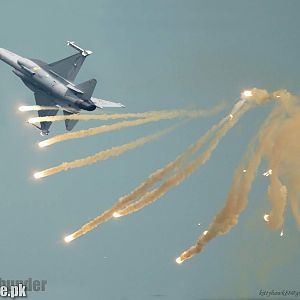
<point x="87" y="88"/>
<point x="69" y="123"/>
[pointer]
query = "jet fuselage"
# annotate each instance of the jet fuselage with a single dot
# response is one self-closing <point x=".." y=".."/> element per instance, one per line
<point x="38" y="79"/>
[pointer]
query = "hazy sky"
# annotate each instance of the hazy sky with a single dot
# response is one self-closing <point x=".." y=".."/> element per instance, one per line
<point x="149" y="55"/>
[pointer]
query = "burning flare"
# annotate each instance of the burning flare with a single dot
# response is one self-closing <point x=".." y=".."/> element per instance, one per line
<point x="38" y="175"/>
<point x="69" y="238"/>
<point x="116" y="215"/>
<point x="267" y="218"/>
<point x="277" y="141"/>
<point x="24" y="108"/>
<point x="268" y="173"/>
<point x="178" y="260"/>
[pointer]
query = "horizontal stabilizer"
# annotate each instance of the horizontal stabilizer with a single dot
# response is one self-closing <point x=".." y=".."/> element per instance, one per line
<point x="100" y="103"/>
<point x="70" y="124"/>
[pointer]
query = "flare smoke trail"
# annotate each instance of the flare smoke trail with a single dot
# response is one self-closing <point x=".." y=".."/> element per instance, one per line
<point x="241" y="186"/>
<point x="105" y="117"/>
<point x="153" y="179"/>
<point x="277" y="141"/>
<point x="248" y="97"/>
<point x="102" y="155"/>
<point x="125" y="124"/>
<point x="277" y="192"/>
<point x="172" y="166"/>
<point x="283" y="156"/>
<point x="96" y="130"/>
<point x="181" y="175"/>
<point x="236" y="202"/>
<point x="24" y="108"/>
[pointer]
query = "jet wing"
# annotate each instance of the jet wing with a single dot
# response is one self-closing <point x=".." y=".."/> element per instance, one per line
<point x="68" y="67"/>
<point x="44" y="99"/>
<point x="104" y="103"/>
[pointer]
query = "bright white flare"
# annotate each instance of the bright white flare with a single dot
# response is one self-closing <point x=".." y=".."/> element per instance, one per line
<point x="267" y="217"/>
<point x="116" y="215"/>
<point x="24" y="108"/>
<point x="43" y="144"/>
<point x="247" y="93"/>
<point x="32" y="120"/>
<point x="179" y="260"/>
<point x="38" y="175"/>
<point x="281" y="233"/>
<point x="268" y="173"/>
<point x="69" y="238"/>
<point x="205" y="232"/>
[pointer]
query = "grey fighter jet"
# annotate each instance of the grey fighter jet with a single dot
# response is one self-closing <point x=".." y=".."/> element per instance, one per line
<point x="53" y="84"/>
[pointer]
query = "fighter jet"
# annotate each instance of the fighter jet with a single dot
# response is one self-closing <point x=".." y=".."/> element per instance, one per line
<point x="53" y="84"/>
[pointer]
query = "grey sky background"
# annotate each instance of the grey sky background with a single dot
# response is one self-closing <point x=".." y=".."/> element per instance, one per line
<point x="149" y="55"/>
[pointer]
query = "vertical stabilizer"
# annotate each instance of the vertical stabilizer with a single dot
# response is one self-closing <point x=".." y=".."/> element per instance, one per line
<point x="87" y="88"/>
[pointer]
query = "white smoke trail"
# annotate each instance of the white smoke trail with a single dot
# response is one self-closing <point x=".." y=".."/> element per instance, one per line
<point x="102" y="155"/>
<point x="125" y="124"/>
<point x="105" y="117"/>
